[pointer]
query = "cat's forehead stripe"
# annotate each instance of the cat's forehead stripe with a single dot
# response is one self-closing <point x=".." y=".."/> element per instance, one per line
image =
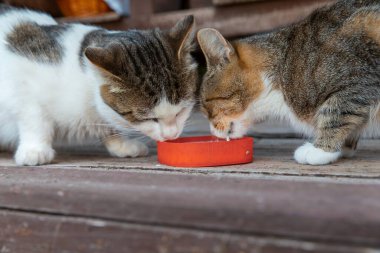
<point x="161" y="49"/>
<point x="152" y="59"/>
<point x="159" y="57"/>
<point x="132" y="59"/>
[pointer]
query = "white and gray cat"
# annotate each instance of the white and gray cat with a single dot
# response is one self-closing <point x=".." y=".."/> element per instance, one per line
<point x="69" y="81"/>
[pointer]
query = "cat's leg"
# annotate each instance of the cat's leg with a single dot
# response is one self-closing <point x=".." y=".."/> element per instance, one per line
<point x="336" y="122"/>
<point x="350" y="146"/>
<point x="119" y="146"/>
<point x="36" y="134"/>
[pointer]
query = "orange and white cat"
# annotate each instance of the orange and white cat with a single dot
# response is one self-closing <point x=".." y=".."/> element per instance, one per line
<point x="321" y="74"/>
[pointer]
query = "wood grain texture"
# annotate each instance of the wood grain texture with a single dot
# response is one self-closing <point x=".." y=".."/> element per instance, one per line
<point x="273" y="157"/>
<point x="23" y="232"/>
<point x="300" y="209"/>
<point x="224" y="2"/>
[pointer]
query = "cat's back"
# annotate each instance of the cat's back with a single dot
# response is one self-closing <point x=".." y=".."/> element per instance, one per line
<point x="333" y="21"/>
<point x="365" y="20"/>
<point x="340" y="34"/>
<point x="34" y="43"/>
<point x="40" y="65"/>
<point x="23" y="32"/>
<point x="327" y="52"/>
<point x="350" y="27"/>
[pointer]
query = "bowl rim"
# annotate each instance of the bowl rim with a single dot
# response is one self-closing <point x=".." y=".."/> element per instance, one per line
<point x="203" y="139"/>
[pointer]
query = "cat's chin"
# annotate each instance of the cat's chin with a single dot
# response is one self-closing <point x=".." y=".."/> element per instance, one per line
<point x="153" y="131"/>
<point x="218" y="133"/>
<point x="157" y="138"/>
<point x="225" y="134"/>
<point x="160" y="138"/>
<point x="238" y="130"/>
<point x="152" y="134"/>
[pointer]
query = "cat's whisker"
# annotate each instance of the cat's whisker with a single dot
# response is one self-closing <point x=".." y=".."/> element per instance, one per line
<point x="98" y="142"/>
<point x="193" y="123"/>
<point x="95" y="124"/>
<point x="140" y="138"/>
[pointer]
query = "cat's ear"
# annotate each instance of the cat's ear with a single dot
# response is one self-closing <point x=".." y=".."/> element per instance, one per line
<point x="215" y="47"/>
<point x="183" y="35"/>
<point x="104" y="58"/>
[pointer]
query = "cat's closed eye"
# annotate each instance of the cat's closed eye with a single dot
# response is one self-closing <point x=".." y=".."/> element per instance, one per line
<point x="125" y="113"/>
<point x="152" y="119"/>
<point x="217" y="98"/>
<point x="157" y="119"/>
<point x="141" y="120"/>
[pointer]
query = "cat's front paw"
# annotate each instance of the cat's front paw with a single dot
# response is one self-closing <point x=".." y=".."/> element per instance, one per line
<point x="308" y="154"/>
<point x="34" y="155"/>
<point x="126" y="148"/>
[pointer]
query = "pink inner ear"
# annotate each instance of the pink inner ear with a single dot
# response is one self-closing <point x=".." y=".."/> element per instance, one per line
<point x="214" y="46"/>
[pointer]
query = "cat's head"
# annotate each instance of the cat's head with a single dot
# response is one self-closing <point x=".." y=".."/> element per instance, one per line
<point x="150" y="79"/>
<point x="231" y="84"/>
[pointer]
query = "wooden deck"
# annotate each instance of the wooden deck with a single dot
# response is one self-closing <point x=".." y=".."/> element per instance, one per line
<point x="89" y="202"/>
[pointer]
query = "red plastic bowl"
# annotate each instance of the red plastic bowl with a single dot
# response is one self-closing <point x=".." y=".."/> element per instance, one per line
<point x="205" y="151"/>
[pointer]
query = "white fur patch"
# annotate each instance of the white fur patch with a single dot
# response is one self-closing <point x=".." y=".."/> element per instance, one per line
<point x="117" y="90"/>
<point x="218" y="133"/>
<point x="171" y="119"/>
<point x="34" y="155"/>
<point x="373" y="128"/>
<point x="308" y="154"/>
<point x="35" y="94"/>
<point x="120" y="147"/>
<point x="271" y="104"/>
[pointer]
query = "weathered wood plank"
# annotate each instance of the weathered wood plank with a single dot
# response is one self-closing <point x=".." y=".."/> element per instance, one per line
<point x="272" y="157"/>
<point x="224" y="2"/>
<point x="199" y="3"/>
<point x="307" y="210"/>
<point x="32" y="233"/>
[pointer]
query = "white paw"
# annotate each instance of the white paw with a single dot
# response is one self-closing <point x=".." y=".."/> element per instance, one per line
<point x="308" y="154"/>
<point x="127" y="148"/>
<point x="34" y="155"/>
